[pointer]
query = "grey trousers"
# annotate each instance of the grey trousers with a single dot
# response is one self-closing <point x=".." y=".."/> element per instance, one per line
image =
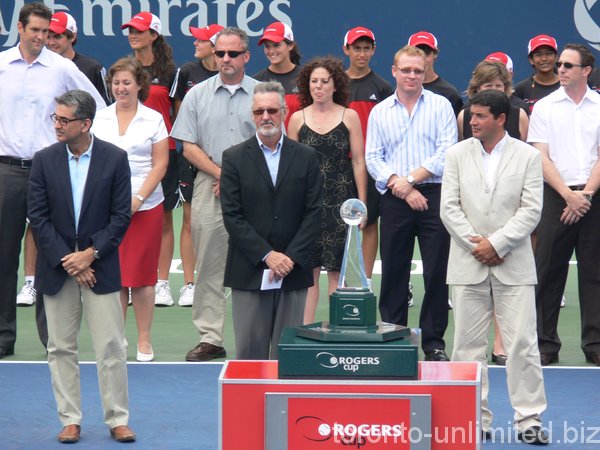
<point x="259" y="318"/>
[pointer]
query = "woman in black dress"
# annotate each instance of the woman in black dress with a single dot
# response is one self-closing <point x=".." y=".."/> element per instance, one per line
<point x="334" y="131"/>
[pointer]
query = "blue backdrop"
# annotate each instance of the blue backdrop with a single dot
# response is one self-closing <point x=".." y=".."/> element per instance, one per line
<point x="467" y="30"/>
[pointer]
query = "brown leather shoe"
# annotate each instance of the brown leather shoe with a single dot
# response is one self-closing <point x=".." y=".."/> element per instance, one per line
<point x="205" y="352"/>
<point x="69" y="434"/>
<point x="122" y="433"/>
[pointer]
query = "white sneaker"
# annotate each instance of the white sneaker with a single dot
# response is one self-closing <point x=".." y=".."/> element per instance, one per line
<point x="186" y="295"/>
<point x="162" y="296"/>
<point x="563" y="302"/>
<point x="27" y="295"/>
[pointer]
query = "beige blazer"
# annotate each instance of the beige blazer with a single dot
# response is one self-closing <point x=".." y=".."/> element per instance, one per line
<point x="506" y="214"/>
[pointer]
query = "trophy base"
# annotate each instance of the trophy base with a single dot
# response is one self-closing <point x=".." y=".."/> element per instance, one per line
<point x="380" y="332"/>
<point x="301" y="357"/>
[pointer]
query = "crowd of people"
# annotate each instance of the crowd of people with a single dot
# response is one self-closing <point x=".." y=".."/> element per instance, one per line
<point x="261" y="166"/>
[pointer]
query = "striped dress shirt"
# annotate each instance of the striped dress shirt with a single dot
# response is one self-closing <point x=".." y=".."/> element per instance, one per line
<point x="399" y="142"/>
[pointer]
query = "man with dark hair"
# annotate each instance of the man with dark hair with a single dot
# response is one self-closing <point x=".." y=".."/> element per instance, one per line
<point x="78" y="272"/>
<point x="62" y="38"/>
<point x="367" y="89"/>
<point x="565" y="128"/>
<point x="213" y="117"/>
<point x="31" y="77"/>
<point x="491" y="203"/>
<point x="541" y="53"/>
<point x="427" y="42"/>
<point x="271" y="195"/>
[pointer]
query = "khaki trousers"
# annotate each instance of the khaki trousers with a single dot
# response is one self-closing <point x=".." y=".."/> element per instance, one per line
<point x="104" y="318"/>
<point x="210" y="241"/>
<point x="474" y="306"/>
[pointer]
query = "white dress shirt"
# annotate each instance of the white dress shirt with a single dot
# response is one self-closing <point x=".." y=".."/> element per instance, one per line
<point x="27" y="93"/>
<point x="572" y="132"/>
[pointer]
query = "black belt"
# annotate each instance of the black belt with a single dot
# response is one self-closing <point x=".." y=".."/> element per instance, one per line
<point x="428" y="187"/>
<point x="23" y="163"/>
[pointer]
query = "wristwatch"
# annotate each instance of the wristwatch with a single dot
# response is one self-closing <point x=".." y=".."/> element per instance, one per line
<point x="96" y="252"/>
<point x="410" y="179"/>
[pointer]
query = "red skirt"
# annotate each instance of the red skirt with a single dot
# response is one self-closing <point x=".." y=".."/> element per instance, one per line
<point x="140" y="249"/>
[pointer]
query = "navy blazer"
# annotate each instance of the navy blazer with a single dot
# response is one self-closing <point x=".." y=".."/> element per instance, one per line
<point x="261" y="217"/>
<point x="103" y="220"/>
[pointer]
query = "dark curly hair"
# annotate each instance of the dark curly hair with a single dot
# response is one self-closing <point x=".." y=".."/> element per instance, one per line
<point x="134" y="66"/>
<point x="335" y="67"/>
<point x="164" y="65"/>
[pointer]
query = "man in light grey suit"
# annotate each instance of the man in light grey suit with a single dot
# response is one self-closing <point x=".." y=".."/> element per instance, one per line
<point x="491" y="203"/>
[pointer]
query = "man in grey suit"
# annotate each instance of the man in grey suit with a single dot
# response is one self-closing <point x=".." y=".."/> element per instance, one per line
<point x="491" y="203"/>
<point x="271" y="196"/>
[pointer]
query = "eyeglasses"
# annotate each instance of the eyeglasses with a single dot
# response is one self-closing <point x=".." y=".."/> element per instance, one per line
<point x="261" y="111"/>
<point x="63" y="120"/>
<point x="405" y="71"/>
<point x="567" y="65"/>
<point x="231" y="53"/>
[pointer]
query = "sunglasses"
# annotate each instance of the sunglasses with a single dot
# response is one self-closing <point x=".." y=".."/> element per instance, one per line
<point x="261" y="111"/>
<point x="567" y="65"/>
<point x="231" y="53"/>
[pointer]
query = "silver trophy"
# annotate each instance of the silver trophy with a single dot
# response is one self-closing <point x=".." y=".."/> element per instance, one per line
<point x="352" y="272"/>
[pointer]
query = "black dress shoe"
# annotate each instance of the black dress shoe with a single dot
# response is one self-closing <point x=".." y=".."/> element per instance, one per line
<point x="535" y="436"/>
<point x="6" y="351"/>
<point x="593" y="358"/>
<point x="436" y="355"/>
<point x="548" y="358"/>
<point x="499" y="360"/>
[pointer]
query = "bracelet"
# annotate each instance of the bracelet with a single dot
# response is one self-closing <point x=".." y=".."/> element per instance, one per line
<point x="140" y="198"/>
<point x="588" y="197"/>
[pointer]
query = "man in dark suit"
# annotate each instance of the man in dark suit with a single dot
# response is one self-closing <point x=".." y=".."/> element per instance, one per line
<point x="79" y="206"/>
<point x="271" y="196"/>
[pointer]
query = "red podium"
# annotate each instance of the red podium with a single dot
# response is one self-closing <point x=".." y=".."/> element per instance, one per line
<point x="439" y="410"/>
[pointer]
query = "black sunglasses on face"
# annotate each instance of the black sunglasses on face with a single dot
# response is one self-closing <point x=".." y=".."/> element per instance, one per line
<point x="231" y="53"/>
<point x="567" y="65"/>
<point x="270" y="111"/>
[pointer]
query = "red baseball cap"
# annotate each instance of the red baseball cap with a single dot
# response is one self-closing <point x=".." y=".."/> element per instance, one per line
<point x="61" y="22"/>
<point x="207" y="33"/>
<point x="357" y="33"/>
<point x="423" y="38"/>
<point x="277" y="32"/>
<point x="502" y="57"/>
<point x="541" y="40"/>
<point x="144" y="21"/>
